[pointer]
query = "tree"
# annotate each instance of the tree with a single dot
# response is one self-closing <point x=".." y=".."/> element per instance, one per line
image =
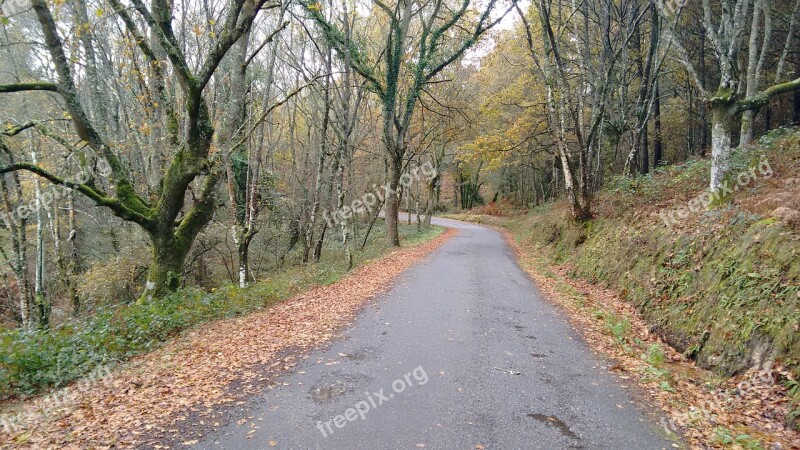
<point x="170" y="223"/>
<point x="579" y="83"/>
<point x="439" y="35"/>
<point x="243" y="172"/>
<point x="725" y="25"/>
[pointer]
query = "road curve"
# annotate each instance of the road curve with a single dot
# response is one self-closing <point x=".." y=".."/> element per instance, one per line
<point x="461" y="353"/>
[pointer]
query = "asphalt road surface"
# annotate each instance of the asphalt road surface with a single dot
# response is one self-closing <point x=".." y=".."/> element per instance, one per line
<point x="461" y="353"/>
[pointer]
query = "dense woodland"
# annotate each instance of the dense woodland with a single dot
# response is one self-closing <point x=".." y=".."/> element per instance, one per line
<point x="148" y="147"/>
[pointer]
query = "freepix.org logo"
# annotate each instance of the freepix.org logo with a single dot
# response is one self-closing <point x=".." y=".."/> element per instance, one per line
<point x="374" y="399"/>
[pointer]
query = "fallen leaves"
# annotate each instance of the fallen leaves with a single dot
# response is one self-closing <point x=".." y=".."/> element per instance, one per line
<point x="758" y="410"/>
<point x="152" y="397"/>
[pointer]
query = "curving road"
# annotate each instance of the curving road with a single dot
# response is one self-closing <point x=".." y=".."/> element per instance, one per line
<point x="461" y="353"/>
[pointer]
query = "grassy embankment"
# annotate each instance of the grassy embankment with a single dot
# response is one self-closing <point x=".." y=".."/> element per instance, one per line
<point x="721" y="285"/>
<point x="31" y="362"/>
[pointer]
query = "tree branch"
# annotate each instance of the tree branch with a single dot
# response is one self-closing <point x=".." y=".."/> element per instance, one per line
<point x="336" y="40"/>
<point x="29" y="86"/>
<point x="117" y="207"/>
<point x="266" y="41"/>
<point x="762" y="98"/>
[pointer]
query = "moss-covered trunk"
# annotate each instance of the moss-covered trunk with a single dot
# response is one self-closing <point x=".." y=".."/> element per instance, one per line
<point x="721" y="123"/>
<point x="243" y="254"/>
<point x="166" y="268"/>
<point x="393" y="203"/>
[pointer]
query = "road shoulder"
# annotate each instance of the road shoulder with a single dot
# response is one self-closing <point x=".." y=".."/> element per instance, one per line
<point x="153" y="400"/>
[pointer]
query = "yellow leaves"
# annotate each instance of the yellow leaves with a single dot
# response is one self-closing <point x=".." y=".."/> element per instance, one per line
<point x="200" y="29"/>
<point x="283" y="156"/>
<point x="314" y="7"/>
<point x="493" y="150"/>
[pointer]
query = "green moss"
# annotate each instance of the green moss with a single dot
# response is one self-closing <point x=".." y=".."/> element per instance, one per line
<point x="723" y="294"/>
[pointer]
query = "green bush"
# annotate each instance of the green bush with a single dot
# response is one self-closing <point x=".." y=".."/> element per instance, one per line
<point x="35" y="360"/>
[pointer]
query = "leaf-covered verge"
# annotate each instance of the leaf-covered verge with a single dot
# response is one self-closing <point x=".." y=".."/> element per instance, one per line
<point x="745" y="411"/>
<point x="721" y="286"/>
<point x="33" y="361"/>
<point x="187" y="388"/>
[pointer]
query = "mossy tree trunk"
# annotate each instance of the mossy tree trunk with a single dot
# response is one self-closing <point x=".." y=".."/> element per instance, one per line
<point x="166" y="268"/>
<point x="722" y="117"/>
<point x="393" y="202"/>
<point x="725" y="109"/>
<point x="11" y="194"/>
<point x="724" y="24"/>
<point x="190" y="133"/>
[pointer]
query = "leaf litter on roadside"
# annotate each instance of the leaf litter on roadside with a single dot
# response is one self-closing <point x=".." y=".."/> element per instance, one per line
<point x="217" y="363"/>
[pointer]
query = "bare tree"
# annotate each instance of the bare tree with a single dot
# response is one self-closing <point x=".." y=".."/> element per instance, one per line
<point x="726" y="24"/>
<point x="165" y="218"/>
<point x="397" y="77"/>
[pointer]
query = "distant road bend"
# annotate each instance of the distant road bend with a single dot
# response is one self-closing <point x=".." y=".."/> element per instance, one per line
<point x="460" y="353"/>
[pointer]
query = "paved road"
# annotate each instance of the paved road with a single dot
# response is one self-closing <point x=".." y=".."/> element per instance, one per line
<point x="461" y="353"/>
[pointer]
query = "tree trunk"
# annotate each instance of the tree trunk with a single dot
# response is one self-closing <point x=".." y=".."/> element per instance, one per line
<point x="393" y="202"/>
<point x="17" y="226"/>
<point x="166" y="269"/>
<point x="320" y="243"/>
<point x="796" y="99"/>
<point x="755" y="64"/>
<point x="430" y="206"/>
<point x="243" y="256"/>
<point x="341" y="193"/>
<point x="721" y="124"/>
<point x="796" y="108"/>
<point x="73" y="266"/>
<point x="645" y="148"/>
<point x="407" y="192"/>
<point x="748" y="117"/>
<point x="323" y="133"/>
<point x="703" y="108"/>
<point x="40" y="299"/>
<point x="657" y="147"/>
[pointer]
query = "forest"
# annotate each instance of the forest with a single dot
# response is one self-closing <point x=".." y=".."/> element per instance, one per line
<point x="165" y="163"/>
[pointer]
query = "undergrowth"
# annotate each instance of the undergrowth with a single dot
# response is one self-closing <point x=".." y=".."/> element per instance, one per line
<point x="31" y="361"/>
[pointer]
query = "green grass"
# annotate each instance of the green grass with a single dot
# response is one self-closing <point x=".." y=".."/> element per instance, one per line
<point x="33" y="361"/>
